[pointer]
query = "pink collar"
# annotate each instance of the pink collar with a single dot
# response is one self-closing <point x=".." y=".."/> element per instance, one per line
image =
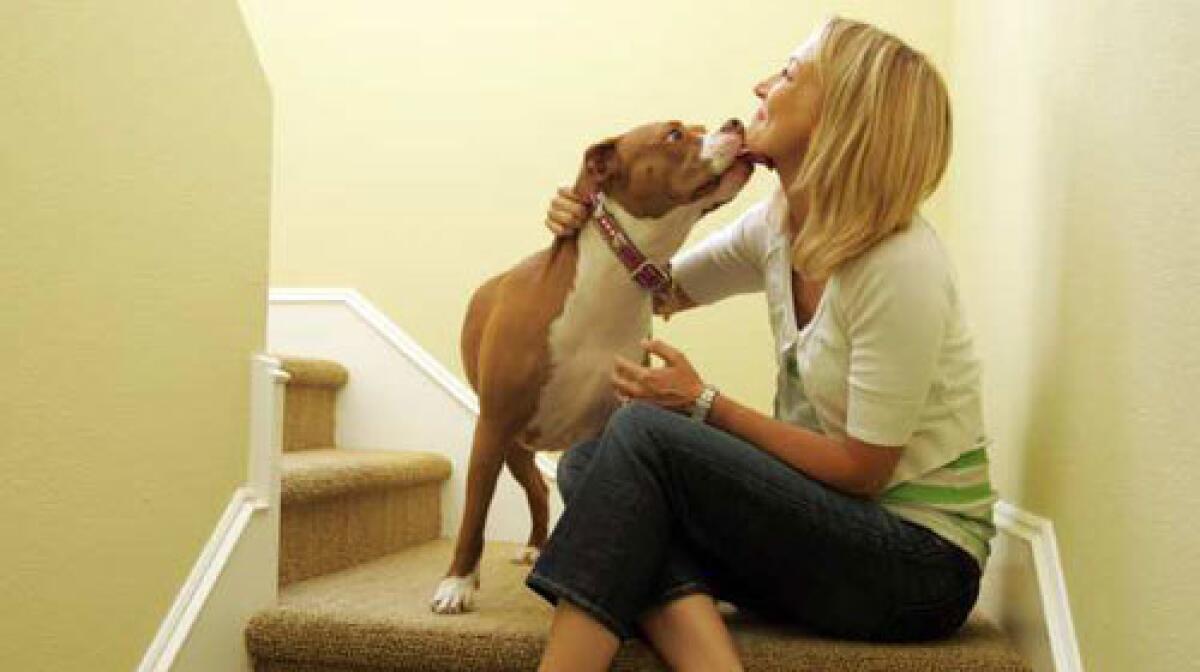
<point x="647" y="274"/>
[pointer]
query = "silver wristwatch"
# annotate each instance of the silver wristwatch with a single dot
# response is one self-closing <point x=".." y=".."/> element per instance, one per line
<point x="703" y="403"/>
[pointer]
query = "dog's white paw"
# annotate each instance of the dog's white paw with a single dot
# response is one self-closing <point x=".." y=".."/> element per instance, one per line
<point x="455" y="594"/>
<point x="526" y="555"/>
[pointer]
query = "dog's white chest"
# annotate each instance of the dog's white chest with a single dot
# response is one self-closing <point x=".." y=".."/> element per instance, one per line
<point x="604" y="316"/>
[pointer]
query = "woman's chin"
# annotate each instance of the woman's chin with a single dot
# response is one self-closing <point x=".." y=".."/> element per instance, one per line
<point x="756" y="158"/>
<point x="754" y="151"/>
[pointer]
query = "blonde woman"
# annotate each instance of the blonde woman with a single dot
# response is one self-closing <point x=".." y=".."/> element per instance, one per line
<point x="862" y="509"/>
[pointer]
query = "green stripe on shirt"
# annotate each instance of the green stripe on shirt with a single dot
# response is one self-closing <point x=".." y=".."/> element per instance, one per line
<point x="971" y="458"/>
<point x="954" y="500"/>
<point x="938" y="494"/>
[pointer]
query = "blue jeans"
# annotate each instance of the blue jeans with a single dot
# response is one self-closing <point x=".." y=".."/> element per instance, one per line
<point x="661" y="506"/>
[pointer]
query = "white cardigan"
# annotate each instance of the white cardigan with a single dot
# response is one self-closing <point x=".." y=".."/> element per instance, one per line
<point x="887" y="357"/>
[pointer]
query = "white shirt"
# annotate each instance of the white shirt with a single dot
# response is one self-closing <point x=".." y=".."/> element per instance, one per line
<point x="886" y="358"/>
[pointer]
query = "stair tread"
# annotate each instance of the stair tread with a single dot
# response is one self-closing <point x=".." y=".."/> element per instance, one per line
<point x="313" y="371"/>
<point x="326" y="472"/>
<point x="376" y="617"/>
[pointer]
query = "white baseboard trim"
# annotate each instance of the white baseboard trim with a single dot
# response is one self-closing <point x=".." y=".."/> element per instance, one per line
<point x="174" y="630"/>
<point x="390" y="332"/>
<point x="1038" y="532"/>
<point x="259" y="494"/>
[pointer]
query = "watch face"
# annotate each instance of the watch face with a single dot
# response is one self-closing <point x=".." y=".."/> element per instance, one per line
<point x="703" y="403"/>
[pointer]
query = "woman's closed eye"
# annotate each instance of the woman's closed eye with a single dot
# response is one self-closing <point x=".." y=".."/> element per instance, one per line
<point x="788" y="70"/>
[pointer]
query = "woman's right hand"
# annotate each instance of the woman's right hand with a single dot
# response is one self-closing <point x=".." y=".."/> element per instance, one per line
<point x="567" y="214"/>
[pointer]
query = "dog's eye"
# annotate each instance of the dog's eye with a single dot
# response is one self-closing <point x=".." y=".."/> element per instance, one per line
<point x="675" y="135"/>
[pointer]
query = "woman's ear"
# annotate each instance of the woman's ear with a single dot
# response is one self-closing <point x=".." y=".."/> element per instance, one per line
<point x="600" y="163"/>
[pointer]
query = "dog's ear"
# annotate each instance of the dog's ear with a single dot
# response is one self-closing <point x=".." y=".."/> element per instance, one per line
<point x="600" y="163"/>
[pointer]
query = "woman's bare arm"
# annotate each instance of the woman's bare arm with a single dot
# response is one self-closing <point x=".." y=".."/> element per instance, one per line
<point x="851" y="466"/>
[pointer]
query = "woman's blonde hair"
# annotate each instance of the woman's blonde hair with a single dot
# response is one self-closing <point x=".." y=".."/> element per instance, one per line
<point x="879" y="149"/>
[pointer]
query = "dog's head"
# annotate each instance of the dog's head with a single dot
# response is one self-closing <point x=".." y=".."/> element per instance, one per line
<point x="667" y="170"/>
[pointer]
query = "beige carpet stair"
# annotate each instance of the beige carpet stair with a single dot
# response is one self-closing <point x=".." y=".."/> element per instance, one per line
<point x="310" y="405"/>
<point x="375" y="618"/>
<point x="342" y="507"/>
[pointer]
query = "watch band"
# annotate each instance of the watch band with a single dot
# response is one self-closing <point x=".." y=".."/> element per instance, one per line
<point x="703" y="404"/>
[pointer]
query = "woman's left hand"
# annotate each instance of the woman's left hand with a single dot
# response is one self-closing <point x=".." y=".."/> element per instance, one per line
<point x="676" y="385"/>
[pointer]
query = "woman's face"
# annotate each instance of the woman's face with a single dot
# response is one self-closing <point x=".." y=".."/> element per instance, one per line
<point x="791" y="106"/>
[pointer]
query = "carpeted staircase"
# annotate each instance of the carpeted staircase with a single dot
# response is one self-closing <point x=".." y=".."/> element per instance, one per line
<point x="360" y="556"/>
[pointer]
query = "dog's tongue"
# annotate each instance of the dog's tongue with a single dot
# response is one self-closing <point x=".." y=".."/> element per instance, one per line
<point x="720" y="150"/>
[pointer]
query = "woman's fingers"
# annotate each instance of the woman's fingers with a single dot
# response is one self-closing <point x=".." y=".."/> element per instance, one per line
<point x="630" y="371"/>
<point x="568" y="194"/>
<point x="556" y="227"/>
<point x="561" y="225"/>
<point x="629" y="380"/>
<point x="569" y="202"/>
<point x="667" y="353"/>
<point x="566" y="214"/>
<point x="626" y="389"/>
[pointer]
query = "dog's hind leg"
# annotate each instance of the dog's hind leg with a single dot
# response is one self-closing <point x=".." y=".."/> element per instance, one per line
<point x="521" y="462"/>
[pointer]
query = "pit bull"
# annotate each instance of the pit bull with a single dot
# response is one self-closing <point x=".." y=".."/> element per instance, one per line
<point x="539" y="340"/>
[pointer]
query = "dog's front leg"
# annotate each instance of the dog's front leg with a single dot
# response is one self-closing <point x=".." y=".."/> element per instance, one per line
<point x="456" y="592"/>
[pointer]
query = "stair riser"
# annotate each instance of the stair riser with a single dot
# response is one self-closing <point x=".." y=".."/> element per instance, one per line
<point x="309" y="417"/>
<point x="330" y="534"/>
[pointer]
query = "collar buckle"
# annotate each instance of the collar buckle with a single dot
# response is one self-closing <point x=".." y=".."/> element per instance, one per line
<point x="652" y="277"/>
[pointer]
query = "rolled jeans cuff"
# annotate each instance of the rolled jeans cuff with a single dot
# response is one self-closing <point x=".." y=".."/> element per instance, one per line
<point x="553" y="591"/>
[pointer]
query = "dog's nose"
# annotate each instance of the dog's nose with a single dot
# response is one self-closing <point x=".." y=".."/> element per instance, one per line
<point x="733" y="126"/>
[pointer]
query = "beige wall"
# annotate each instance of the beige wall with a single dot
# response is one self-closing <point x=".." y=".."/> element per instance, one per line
<point x="1074" y="193"/>
<point x="133" y="220"/>
<point x="420" y="144"/>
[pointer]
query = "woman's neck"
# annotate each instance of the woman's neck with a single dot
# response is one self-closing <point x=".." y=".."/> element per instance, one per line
<point x="788" y="171"/>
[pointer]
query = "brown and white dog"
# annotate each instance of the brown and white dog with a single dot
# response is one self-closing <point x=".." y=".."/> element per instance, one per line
<point x="539" y="340"/>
